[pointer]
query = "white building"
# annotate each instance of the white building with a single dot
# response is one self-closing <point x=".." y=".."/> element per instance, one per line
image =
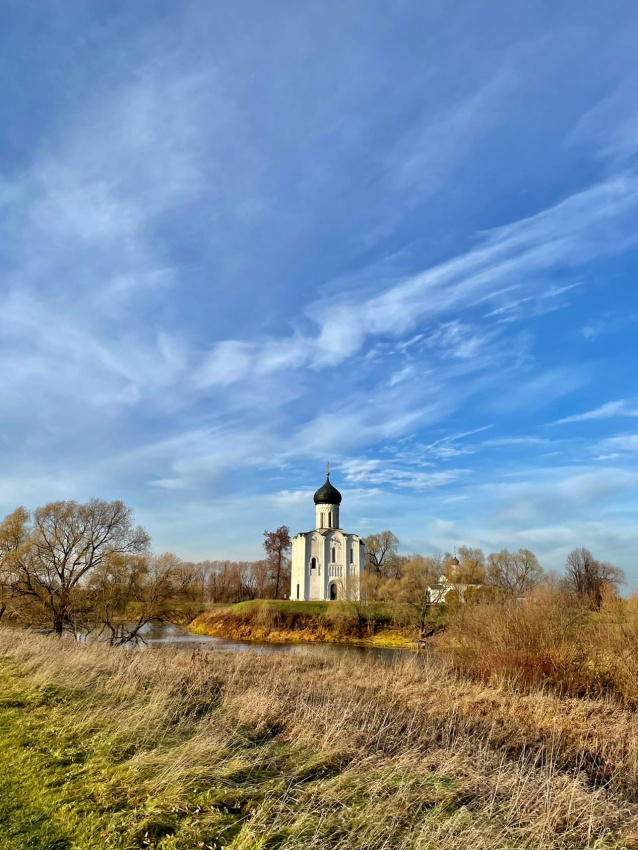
<point x="438" y="591"/>
<point x="327" y="563"/>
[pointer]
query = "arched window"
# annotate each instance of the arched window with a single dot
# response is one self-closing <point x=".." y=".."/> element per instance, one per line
<point x="352" y="555"/>
<point x="313" y="564"/>
<point x="334" y="554"/>
<point x="329" y="519"/>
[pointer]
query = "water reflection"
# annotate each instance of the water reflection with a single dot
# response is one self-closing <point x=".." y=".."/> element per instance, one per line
<point x="157" y="635"/>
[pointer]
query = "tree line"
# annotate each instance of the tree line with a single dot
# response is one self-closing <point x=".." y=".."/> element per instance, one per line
<point x="513" y="574"/>
<point x="88" y="568"/>
<point x="474" y="577"/>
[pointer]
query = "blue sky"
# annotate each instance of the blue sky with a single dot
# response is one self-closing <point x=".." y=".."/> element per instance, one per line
<point x="240" y="239"/>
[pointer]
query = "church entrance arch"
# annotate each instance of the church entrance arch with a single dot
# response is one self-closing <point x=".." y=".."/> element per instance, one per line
<point x="332" y="590"/>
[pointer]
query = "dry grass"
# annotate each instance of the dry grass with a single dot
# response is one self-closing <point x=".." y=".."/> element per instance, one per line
<point x="247" y="751"/>
<point x="550" y="643"/>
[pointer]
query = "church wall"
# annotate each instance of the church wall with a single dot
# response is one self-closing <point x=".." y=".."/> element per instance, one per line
<point x="344" y="570"/>
<point x="297" y="570"/>
<point x="317" y="576"/>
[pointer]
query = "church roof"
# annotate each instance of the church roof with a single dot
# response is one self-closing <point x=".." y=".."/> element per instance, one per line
<point x="327" y="495"/>
<point x="324" y="532"/>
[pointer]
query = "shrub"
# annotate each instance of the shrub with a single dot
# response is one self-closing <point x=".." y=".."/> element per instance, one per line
<point x="548" y="640"/>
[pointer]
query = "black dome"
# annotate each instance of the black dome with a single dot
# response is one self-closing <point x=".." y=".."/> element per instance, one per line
<point x="327" y="495"/>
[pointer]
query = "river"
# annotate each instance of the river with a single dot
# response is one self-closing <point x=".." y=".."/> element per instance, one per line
<point x="176" y="637"/>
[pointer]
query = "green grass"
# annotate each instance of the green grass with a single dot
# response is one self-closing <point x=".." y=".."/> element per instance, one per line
<point x="63" y="788"/>
<point x="380" y="610"/>
<point x="71" y="779"/>
<point x="284" y="605"/>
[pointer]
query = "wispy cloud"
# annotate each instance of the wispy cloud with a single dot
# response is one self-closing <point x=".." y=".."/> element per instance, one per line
<point x="609" y="410"/>
<point x="524" y="442"/>
<point x="564" y="492"/>
<point x="377" y="473"/>
<point x="611" y="126"/>
<point x="560" y="236"/>
<point x="609" y="324"/>
<point x="619" y="443"/>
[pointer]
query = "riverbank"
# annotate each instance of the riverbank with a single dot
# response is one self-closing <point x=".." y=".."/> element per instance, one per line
<point x="279" y="621"/>
<point x="103" y="748"/>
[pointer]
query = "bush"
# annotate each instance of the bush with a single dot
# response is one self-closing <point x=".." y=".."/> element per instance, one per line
<point x="548" y="640"/>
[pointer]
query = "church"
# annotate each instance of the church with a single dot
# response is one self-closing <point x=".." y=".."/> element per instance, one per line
<point x="327" y="563"/>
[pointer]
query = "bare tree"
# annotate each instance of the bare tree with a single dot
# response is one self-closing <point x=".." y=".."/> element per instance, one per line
<point x="229" y="581"/>
<point x="514" y="573"/>
<point x="381" y="554"/>
<point x="587" y="578"/>
<point x="277" y="545"/>
<point x="127" y="592"/>
<point x="62" y="543"/>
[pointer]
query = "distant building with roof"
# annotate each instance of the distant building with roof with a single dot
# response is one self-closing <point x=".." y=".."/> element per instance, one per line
<point x="327" y="563"/>
<point x="439" y="590"/>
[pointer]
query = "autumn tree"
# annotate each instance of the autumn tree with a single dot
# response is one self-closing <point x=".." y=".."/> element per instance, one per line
<point x="61" y="544"/>
<point x="413" y="588"/>
<point x="13" y="542"/>
<point x="514" y="573"/>
<point x="587" y="578"/>
<point x="471" y="568"/>
<point x="277" y="545"/>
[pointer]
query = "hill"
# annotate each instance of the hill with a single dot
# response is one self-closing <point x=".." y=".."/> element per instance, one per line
<point x="277" y="620"/>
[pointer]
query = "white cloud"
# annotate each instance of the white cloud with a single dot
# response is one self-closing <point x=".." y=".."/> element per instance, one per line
<point x="169" y="483"/>
<point x="622" y="443"/>
<point x="610" y="410"/>
<point x="377" y="473"/>
<point x="568" y="492"/>
<point x="517" y="441"/>
<point x="564" y="235"/>
<point x="442" y="530"/>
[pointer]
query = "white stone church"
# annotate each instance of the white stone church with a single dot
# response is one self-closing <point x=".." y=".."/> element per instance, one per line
<point x="327" y="563"/>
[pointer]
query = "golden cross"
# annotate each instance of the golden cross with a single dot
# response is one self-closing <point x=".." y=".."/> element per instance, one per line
<point x="328" y="468"/>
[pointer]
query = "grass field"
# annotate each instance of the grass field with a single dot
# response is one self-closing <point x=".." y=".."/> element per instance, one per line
<point x="283" y="605"/>
<point x="103" y="748"/>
